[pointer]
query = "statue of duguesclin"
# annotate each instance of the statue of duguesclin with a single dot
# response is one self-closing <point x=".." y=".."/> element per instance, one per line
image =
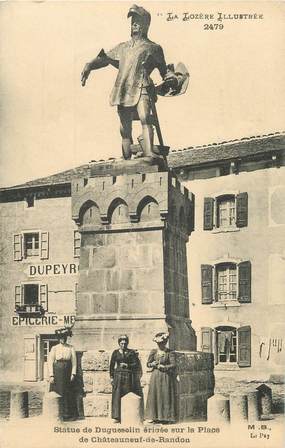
<point x="134" y="93"/>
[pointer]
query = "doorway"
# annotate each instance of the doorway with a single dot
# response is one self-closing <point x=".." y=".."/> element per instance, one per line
<point x="46" y="344"/>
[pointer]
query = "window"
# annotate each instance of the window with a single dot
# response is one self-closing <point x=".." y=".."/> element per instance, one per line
<point x="226" y="282"/>
<point x="226" y="343"/>
<point x="76" y="243"/>
<point x="229" y="345"/>
<point x="226" y="212"/>
<point x="31" y="298"/>
<point x="31" y="244"/>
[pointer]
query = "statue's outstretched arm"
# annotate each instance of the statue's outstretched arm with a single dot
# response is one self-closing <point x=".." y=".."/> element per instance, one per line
<point x="100" y="61"/>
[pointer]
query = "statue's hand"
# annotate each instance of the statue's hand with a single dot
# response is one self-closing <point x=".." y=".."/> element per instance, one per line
<point x="85" y="74"/>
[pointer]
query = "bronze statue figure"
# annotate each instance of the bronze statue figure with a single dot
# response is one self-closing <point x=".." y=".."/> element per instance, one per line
<point x="134" y="93"/>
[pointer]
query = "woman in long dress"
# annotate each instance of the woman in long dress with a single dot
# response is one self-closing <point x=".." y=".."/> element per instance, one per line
<point x="160" y="405"/>
<point x="62" y="371"/>
<point x="125" y="373"/>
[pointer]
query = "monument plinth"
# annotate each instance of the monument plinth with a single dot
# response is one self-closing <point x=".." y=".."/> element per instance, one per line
<point x="133" y="266"/>
<point x="133" y="279"/>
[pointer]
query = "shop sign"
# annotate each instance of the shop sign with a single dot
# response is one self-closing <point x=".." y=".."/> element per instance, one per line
<point x="52" y="269"/>
<point x="42" y="321"/>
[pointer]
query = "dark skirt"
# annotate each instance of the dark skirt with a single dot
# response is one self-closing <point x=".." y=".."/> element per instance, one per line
<point x="160" y="403"/>
<point x="124" y="382"/>
<point x="62" y="374"/>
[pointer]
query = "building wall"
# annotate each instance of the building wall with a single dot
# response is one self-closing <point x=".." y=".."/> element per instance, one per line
<point x="52" y="215"/>
<point x="262" y="242"/>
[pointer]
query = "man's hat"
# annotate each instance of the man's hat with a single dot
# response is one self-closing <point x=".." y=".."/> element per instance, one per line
<point x="175" y="82"/>
<point x="140" y="11"/>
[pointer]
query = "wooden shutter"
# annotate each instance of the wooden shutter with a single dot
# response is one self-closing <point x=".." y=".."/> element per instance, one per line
<point x="206" y="339"/>
<point x="75" y="296"/>
<point x="208" y="213"/>
<point x="244" y="280"/>
<point x="18" y="246"/>
<point x="43" y="296"/>
<point x="244" y="346"/>
<point x="216" y="286"/>
<point x="215" y="345"/>
<point x="207" y="283"/>
<point x="18" y="295"/>
<point x="76" y="243"/>
<point x="44" y="246"/>
<point x="242" y="210"/>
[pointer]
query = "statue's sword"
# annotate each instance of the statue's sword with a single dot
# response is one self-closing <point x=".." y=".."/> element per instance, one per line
<point x="155" y="117"/>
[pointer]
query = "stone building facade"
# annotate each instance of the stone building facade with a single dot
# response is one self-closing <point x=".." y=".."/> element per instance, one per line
<point x="235" y="259"/>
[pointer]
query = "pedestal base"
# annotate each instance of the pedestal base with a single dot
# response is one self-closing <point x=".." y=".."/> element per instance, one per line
<point x="194" y="383"/>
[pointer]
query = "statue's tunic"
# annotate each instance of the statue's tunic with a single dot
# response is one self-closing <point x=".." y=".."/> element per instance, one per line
<point x="131" y="77"/>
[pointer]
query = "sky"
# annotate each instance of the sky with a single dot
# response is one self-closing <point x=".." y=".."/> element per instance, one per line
<point x="50" y="123"/>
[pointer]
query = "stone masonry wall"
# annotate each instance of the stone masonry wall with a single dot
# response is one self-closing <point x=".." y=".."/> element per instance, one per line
<point x="194" y="381"/>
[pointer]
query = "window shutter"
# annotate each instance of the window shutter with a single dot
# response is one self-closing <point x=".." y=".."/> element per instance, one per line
<point x="208" y="213"/>
<point x="242" y="210"/>
<point x="18" y="295"/>
<point x="244" y="346"/>
<point x="17" y="247"/>
<point x="215" y="346"/>
<point x="244" y="276"/>
<point x="216" y="291"/>
<point x="76" y="243"/>
<point x="206" y="339"/>
<point x="43" y="299"/>
<point x="75" y="296"/>
<point x="44" y="253"/>
<point x="207" y="283"/>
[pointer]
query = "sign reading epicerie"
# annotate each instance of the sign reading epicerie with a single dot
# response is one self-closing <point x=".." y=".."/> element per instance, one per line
<point x="55" y="269"/>
<point x="41" y="321"/>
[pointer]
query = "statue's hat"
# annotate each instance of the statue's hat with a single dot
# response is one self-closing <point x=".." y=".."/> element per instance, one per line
<point x="140" y="11"/>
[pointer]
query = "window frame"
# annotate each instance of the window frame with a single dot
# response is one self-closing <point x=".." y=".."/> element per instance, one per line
<point x="243" y="348"/>
<point x="31" y="309"/>
<point x="216" y="270"/>
<point x="19" y="248"/>
<point x="24" y="243"/>
<point x="243" y="281"/>
<point x="218" y="201"/>
<point x="211" y="219"/>
<point x="217" y="331"/>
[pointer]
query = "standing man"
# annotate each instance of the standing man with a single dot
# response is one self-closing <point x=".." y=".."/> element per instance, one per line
<point x="135" y="59"/>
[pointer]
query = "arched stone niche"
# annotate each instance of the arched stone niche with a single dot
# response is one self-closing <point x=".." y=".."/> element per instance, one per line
<point x="89" y="214"/>
<point x="118" y="212"/>
<point x="148" y="209"/>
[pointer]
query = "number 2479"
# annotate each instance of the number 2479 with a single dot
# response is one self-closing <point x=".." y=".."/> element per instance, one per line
<point x="213" y="26"/>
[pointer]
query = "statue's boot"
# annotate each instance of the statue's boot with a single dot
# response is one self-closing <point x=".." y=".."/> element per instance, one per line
<point x="126" y="148"/>
<point x="147" y="131"/>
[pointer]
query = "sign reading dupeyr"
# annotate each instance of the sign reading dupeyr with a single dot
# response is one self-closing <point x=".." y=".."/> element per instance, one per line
<point x="52" y="269"/>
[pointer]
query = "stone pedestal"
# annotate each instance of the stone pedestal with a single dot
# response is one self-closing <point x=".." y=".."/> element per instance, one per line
<point x="264" y="399"/>
<point x="132" y="409"/>
<point x="52" y="406"/>
<point x="133" y="279"/>
<point x="19" y="405"/>
<point x="218" y="409"/>
<point x="133" y="266"/>
<point x="252" y="406"/>
<point x="238" y="408"/>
